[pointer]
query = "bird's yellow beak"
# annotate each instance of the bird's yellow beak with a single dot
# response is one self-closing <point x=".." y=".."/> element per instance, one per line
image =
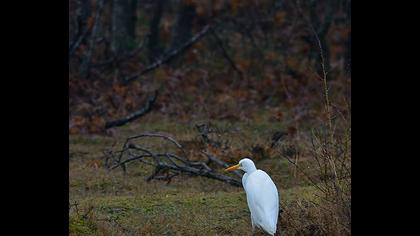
<point x="232" y="168"/>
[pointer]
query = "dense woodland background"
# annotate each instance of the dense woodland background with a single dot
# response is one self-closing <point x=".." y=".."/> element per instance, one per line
<point x="208" y="82"/>
<point x="215" y="59"/>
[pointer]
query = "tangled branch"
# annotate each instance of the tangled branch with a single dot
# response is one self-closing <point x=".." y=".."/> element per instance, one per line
<point x="166" y="164"/>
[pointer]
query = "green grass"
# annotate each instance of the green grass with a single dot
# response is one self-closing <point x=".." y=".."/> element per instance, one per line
<point x="172" y="213"/>
<point x="110" y="203"/>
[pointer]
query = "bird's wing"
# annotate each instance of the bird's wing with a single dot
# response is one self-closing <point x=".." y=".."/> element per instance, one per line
<point x="244" y="178"/>
<point x="262" y="197"/>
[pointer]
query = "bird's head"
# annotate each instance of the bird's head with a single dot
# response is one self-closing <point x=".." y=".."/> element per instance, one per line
<point x="245" y="164"/>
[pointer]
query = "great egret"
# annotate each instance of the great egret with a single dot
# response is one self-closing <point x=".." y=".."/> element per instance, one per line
<point x="261" y="195"/>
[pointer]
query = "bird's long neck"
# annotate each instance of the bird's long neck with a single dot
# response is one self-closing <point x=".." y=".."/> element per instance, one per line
<point x="251" y="169"/>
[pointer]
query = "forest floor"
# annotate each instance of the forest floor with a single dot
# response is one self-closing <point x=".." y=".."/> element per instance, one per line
<point x="104" y="202"/>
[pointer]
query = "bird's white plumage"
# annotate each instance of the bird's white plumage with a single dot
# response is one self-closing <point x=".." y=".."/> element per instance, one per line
<point x="262" y="197"/>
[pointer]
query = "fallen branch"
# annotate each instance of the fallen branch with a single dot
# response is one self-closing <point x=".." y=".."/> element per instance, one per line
<point x="221" y="163"/>
<point x="167" y="57"/>
<point x="145" y="135"/>
<point x="155" y="135"/>
<point x="135" y="115"/>
<point x="166" y="165"/>
<point x="200" y="172"/>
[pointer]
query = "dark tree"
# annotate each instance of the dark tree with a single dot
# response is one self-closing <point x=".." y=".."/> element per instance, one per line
<point x="82" y="14"/>
<point x="182" y="31"/>
<point x="123" y="24"/>
<point x="154" y="45"/>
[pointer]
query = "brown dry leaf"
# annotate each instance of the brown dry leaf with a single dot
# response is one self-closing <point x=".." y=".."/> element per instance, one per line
<point x="271" y="56"/>
<point x="240" y="93"/>
<point x="212" y="149"/>
<point x="280" y="17"/>
<point x="83" y="109"/>
<point x="235" y="5"/>
<point x="161" y="75"/>
<point x="233" y="156"/>
<point x="77" y="121"/>
<point x="292" y="62"/>
<point x="118" y="89"/>
<point x="129" y="103"/>
<point x="94" y="164"/>
<point x="279" y="116"/>
<point x="166" y="25"/>
<point x="242" y="63"/>
<point x="73" y="130"/>
<point x="97" y="124"/>
<point x="222" y="98"/>
<point x="90" y="22"/>
<point x="291" y="130"/>
<point x="199" y="46"/>
<point x="218" y="5"/>
<point x="191" y="56"/>
<point x="189" y="2"/>
<point x="202" y="8"/>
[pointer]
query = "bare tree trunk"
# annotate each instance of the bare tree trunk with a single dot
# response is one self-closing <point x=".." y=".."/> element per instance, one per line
<point x="80" y="29"/>
<point x="133" y="20"/>
<point x="82" y="14"/>
<point x="85" y="63"/>
<point x="183" y="27"/>
<point x="154" y="46"/>
<point x="122" y="26"/>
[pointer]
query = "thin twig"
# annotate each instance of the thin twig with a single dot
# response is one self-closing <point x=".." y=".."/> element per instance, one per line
<point x="159" y="135"/>
<point x="305" y="174"/>
<point x="226" y="54"/>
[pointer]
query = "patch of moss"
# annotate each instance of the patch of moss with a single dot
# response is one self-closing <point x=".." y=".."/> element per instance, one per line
<point x="79" y="225"/>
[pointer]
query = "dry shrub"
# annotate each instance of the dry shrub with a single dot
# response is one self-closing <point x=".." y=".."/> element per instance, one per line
<point x="328" y="210"/>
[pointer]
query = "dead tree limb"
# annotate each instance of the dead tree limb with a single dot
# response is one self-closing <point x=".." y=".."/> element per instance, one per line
<point x="135" y="115"/>
<point x="157" y="135"/>
<point x="166" y="165"/>
<point x="209" y="174"/>
<point x="221" y="163"/>
<point x="172" y="54"/>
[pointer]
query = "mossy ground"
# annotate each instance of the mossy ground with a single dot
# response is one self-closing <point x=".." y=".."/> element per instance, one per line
<point x="111" y="203"/>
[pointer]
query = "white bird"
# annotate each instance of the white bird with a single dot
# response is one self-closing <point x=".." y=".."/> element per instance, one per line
<point x="261" y="194"/>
